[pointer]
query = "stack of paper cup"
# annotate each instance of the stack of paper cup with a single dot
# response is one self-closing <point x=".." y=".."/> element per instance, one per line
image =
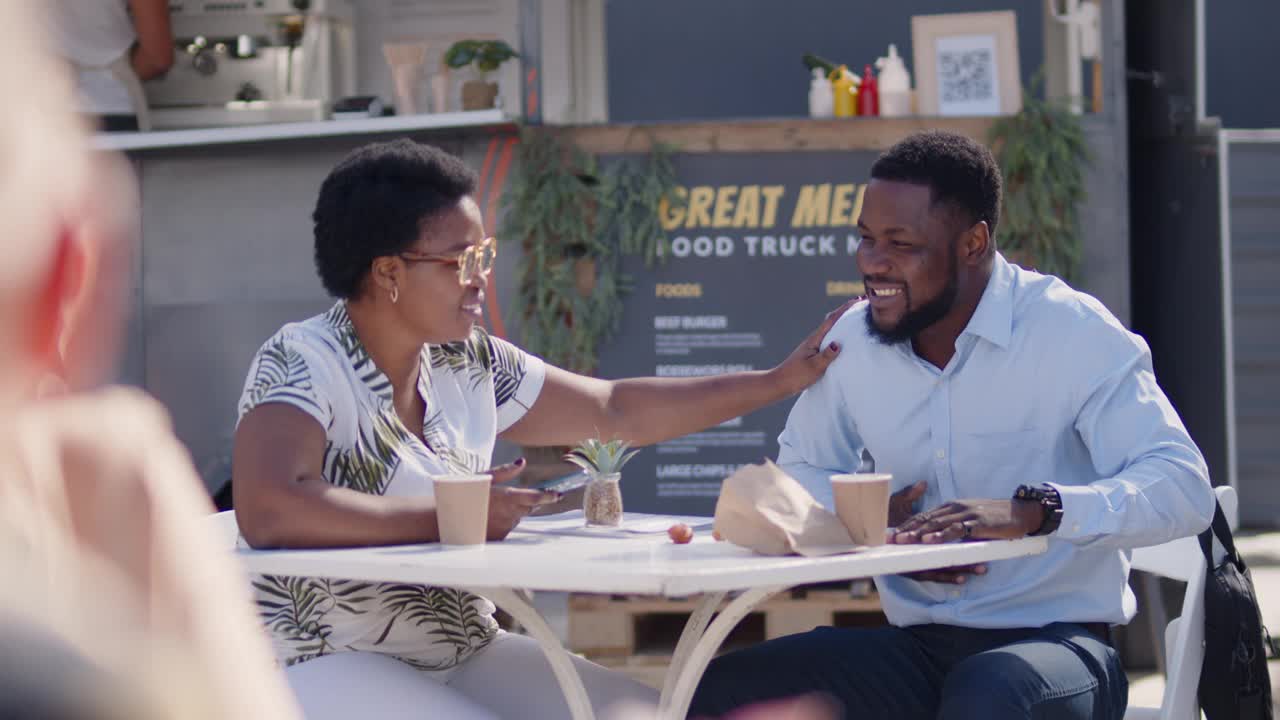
<point x="406" y="60"/>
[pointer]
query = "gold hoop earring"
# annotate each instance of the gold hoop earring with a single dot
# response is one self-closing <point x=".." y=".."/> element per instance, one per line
<point x="395" y="294"/>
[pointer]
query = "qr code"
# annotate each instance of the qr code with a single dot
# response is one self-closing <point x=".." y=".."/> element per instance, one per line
<point x="966" y="75"/>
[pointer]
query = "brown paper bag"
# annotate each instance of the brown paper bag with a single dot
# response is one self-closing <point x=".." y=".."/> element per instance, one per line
<point x="766" y="510"/>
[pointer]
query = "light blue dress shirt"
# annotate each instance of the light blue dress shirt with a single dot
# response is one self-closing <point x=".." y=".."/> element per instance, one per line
<point x="1045" y="386"/>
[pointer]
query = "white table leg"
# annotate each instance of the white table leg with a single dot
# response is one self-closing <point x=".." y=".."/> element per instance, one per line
<point x="693" y="630"/>
<point x="518" y="605"/>
<point x="676" y="705"/>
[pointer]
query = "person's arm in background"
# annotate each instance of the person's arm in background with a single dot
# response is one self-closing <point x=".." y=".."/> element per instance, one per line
<point x="643" y="411"/>
<point x="152" y="55"/>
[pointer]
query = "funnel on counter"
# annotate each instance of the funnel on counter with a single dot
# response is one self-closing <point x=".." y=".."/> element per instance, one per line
<point x="406" y="60"/>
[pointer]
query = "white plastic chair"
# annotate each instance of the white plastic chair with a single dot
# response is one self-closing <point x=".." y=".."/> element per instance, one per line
<point x="224" y="528"/>
<point x="1182" y="559"/>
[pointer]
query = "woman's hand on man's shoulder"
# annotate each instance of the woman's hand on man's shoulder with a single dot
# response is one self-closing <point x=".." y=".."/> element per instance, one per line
<point x="807" y="363"/>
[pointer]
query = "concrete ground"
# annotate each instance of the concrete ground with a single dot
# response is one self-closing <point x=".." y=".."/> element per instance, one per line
<point x="1261" y="551"/>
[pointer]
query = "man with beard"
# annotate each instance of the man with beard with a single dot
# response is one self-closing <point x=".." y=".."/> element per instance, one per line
<point x="1005" y="404"/>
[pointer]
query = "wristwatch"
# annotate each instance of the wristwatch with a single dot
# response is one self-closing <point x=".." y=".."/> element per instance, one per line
<point x="1050" y="504"/>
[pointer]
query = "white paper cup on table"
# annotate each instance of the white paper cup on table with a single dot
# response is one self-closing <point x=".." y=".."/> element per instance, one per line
<point x="862" y="503"/>
<point x="462" y="509"/>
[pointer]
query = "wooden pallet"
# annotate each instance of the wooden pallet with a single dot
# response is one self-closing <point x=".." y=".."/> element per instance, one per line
<point x="643" y="631"/>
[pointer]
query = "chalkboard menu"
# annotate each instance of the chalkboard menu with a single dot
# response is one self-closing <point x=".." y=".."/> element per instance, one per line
<point x="762" y="249"/>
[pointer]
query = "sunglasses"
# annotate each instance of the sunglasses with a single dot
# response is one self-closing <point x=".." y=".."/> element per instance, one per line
<point x="473" y="262"/>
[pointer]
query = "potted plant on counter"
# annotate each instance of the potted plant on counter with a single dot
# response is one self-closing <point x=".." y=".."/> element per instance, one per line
<point x="603" y="461"/>
<point x="485" y="56"/>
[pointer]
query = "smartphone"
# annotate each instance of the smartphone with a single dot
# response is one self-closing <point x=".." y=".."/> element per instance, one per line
<point x="564" y="483"/>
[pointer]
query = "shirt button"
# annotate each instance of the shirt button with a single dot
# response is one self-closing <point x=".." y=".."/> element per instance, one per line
<point x="1075" y="528"/>
<point x="955" y="594"/>
<point x="942" y="454"/>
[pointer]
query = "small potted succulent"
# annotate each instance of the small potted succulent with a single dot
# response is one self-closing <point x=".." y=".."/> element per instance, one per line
<point x="602" y="461"/>
<point x="485" y="56"/>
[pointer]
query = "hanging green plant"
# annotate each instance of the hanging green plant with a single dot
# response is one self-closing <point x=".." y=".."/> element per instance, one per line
<point x="574" y="221"/>
<point x="1042" y="153"/>
<point x="631" y="194"/>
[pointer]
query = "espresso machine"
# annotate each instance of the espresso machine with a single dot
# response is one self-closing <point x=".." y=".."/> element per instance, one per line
<point x="254" y="61"/>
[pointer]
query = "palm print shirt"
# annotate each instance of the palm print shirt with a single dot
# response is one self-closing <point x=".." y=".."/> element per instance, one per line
<point x="473" y="390"/>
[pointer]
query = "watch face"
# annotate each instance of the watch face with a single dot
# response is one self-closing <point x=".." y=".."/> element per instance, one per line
<point x="1026" y="492"/>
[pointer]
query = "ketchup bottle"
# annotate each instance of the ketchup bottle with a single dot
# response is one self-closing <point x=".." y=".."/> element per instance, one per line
<point x="868" y="94"/>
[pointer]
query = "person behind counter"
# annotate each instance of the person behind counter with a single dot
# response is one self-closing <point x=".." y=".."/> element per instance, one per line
<point x="114" y="45"/>
<point x="400" y="364"/>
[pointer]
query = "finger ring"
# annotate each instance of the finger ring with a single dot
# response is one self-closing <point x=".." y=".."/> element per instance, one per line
<point x="968" y="528"/>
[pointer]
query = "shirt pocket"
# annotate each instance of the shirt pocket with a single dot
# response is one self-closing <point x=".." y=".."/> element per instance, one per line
<point x="991" y="464"/>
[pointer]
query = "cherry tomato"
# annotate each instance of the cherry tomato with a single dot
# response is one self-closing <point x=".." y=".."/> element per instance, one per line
<point x="680" y="533"/>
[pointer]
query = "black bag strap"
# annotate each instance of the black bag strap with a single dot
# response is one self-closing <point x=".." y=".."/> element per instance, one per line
<point x="1220" y="528"/>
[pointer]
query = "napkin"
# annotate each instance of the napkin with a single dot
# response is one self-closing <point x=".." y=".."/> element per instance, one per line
<point x="633" y="525"/>
<point x="764" y="509"/>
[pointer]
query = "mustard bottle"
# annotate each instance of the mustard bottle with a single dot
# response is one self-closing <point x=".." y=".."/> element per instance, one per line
<point x="844" y="92"/>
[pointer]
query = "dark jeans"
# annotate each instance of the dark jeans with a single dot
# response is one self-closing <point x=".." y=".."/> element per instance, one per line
<point x="928" y="671"/>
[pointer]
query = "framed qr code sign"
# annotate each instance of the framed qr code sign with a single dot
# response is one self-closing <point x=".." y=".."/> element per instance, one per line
<point x="966" y="63"/>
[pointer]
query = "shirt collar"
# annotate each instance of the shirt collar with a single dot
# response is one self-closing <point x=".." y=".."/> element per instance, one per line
<point x="993" y="319"/>
<point x="366" y="370"/>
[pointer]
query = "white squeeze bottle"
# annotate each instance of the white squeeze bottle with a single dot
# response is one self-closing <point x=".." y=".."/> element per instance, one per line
<point x="895" y="85"/>
<point x="821" y="101"/>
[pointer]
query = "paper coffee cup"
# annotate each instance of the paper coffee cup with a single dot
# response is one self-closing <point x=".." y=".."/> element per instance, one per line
<point x="862" y="503"/>
<point x="462" y="508"/>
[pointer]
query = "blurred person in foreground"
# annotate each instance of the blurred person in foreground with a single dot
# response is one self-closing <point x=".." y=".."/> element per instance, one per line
<point x="1005" y="404"/>
<point x="111" y="581"/>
